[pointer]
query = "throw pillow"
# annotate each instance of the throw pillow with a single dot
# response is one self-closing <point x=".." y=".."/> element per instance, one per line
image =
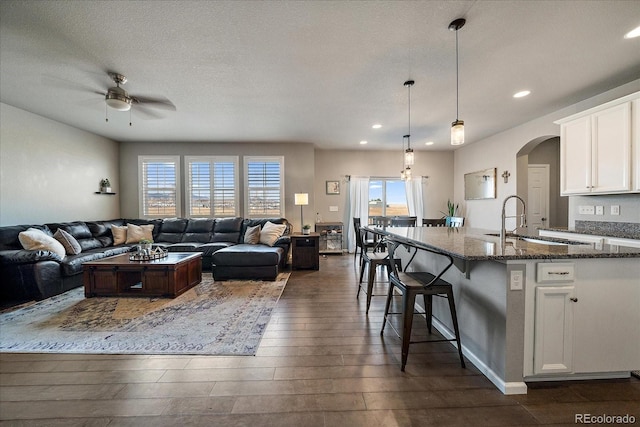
<point x="135" y="233"/>
<point x="71" y="245"/>
<point x="252" y="235"/>
<point x="33" y="239"/>
<point x="119" y="234"/>
<point x="270" y="233"/>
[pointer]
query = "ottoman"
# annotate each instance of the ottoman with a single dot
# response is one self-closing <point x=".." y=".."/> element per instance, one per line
<point x="245" y="261"/>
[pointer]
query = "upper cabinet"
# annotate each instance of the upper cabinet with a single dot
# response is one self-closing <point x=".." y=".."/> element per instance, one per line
<point x="596" y="153"/>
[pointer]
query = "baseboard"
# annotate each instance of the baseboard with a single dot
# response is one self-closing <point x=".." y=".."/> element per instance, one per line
<point x="573" y="377"/>
<point x="504" y="387"/>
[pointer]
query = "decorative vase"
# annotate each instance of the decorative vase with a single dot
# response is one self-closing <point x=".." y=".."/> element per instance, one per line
<point x="306" y="230"/>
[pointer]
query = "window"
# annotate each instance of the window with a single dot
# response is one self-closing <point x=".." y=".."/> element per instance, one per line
<point x="212" y="187"/>
<point x="387" y="197"/>
<point x="264" y="186"/>
<point x="159" y="178"/>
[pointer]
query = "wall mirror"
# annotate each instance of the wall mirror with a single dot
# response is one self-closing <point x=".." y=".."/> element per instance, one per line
<point x="480" y="185"/>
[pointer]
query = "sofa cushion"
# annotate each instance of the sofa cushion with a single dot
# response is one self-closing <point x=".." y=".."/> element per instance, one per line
<point x="183" y="247"/>
<point x="135" y="233"/>
<point x="33" y="239"/>
<point x="271" y="232"/>
<point x="72" y="264"/>
<point x="71" y="245"/>
<point x="172" y="229"/>
<point x="252" y="235"/>
<point x="199" y="230"/>
<point x="248" y="255"/>
<point x="9" y="235"/>
<point x="80" y="231"/>
<point x="227" y="230"/>
<point x="208" y="249"/>
<point x="101" y="230"/>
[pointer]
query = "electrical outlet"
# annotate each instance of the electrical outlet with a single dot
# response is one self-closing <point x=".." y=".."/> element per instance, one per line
<point x="516" y="280"/>
<point x="599" y="210"/>
<point x="615" y="209"/>
<point x="586" y="210"/>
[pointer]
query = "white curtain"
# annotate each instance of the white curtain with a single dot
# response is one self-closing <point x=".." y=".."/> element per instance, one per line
<point x="415" y="201"/>
<point x="358" y="207"/>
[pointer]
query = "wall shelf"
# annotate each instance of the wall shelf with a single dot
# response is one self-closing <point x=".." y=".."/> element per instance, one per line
<point x="108" y="194"/>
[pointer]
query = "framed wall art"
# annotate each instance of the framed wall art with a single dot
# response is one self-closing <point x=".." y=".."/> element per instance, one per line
<point x="333" y="187"/>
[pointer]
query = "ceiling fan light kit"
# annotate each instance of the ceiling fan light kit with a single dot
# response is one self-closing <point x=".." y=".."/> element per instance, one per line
<point x="457" y="127"/>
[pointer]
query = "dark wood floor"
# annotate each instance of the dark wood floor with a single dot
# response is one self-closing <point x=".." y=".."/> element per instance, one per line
<point x="322" y="362"/>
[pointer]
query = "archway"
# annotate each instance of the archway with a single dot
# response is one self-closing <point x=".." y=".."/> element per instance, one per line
<point x="544" y="150"/>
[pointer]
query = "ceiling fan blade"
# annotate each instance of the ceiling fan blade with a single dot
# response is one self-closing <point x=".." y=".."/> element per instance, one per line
<point x="146" y="113"/>
<point x="68" y="84"/>
<point x="160" y="102"/>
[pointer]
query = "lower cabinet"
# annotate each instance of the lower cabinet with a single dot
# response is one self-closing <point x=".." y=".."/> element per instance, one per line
<point x="585" y="323"/>
<point x="553" y="337"/>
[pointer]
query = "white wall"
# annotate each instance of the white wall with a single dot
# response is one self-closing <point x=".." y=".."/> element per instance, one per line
<point x="500" y="151"/>
<point x="334" y="165"/>
<point x="49" y="171"/>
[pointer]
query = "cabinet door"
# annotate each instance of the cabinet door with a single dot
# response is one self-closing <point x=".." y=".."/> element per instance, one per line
<point x="635" y="131"/>
<point x="575" y="156"/>
<point x="611" y="150"/>
<point x="607" y="320"/>
<point x="553" y="334"/>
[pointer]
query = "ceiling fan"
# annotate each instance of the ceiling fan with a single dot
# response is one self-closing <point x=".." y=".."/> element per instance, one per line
<point x="119" y="99"/>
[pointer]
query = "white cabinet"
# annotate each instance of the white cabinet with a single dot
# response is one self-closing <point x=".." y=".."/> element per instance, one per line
<point x="596" y="149"/>
<point x="635" y="136"/>
<point x="584" y="327"/>
<point x="588" y="238"/>
<point x="553" y="335"/>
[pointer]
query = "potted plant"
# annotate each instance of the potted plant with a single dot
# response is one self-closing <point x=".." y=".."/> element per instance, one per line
<point x="145" y="244"/>
<point x="306" y="229"/>
<point x="105" y="186"/>
<point x="452" y="211"/>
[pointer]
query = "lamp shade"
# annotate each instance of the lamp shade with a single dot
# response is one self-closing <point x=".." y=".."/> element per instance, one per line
<point x="457" y="132"/>
<point x="408" y="157"/>
<point x="301" y="199"/>
<point x="119" y="104"/>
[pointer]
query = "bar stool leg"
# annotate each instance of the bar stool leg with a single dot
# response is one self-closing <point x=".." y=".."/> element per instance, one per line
<point x="362" y="267"/>
<point x="408" y="303"/>
<point x="370" y="280"/>
<point x="387" y="305"/>
<point x="454" y="318"/>
<point x="428" y="308"/>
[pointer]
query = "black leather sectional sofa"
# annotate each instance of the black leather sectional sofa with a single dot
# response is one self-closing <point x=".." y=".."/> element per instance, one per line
<point x="38" y="274"/>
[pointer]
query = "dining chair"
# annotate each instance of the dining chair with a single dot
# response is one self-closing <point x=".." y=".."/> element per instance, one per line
<point x="432" y="222"/>
<point x="403" y="221"/>
<point x="363" y="243"/>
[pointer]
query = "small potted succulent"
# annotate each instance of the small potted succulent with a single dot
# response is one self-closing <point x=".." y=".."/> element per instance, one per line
<point x="145" y="245"/>
<point x="105" y="186"/>
<point x="306" y="229"/>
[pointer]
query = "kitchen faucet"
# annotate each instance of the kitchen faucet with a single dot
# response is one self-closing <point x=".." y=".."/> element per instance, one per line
<point x="523" y="217"/>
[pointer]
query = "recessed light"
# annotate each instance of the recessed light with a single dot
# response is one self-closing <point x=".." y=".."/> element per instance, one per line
<point x="377" y="126"/>
<point x="521" y="94"/>
<point x="363" y="142"/>
<point x="428" y="143"/>
<point x="633" y="33"/>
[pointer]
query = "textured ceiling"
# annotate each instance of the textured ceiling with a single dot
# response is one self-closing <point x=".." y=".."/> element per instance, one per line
<point x="316" y="72"/>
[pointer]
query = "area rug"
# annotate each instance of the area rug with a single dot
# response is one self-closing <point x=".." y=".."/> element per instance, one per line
<point x="213" y="318"/>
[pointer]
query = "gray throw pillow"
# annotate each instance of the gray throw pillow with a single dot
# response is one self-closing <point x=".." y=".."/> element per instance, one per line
<point x="71" y="245"/>
<point x="252" y="235"/>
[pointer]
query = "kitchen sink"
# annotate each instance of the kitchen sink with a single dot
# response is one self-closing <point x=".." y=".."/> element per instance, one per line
<point x="552" y="241"/>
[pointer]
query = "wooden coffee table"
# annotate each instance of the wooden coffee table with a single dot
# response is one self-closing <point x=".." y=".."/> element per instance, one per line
<point x="119" y="276"/>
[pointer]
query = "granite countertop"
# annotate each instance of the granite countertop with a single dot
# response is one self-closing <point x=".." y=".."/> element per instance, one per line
<point x="474" y="244"/>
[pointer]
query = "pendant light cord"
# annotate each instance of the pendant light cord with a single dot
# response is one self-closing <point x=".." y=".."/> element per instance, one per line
<point x="457" y="79"/>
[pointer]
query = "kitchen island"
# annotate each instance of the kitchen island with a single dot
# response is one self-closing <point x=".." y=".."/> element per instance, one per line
<point x="533" y="309"/>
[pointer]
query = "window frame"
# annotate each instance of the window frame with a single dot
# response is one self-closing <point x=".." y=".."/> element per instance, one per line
<point x="247" y="192"/>
<point x="142" y="160"/>
<point x="212" y="160"/>
<point x="384" y="181"/>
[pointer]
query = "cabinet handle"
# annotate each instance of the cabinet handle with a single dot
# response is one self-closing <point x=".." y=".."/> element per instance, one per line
<point x="574" y="299"/>
<point x="559" y="273"/>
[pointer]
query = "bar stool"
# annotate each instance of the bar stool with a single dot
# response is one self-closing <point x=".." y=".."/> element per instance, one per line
<point x="373" y="260"/>
<point x="362" y="240"/>
<point x="419" y="283"/>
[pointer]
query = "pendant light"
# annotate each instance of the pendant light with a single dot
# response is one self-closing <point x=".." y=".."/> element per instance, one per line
<point x="408" y="154"/>
<point x="457" y="127"/>
<point x="404" y="165"/>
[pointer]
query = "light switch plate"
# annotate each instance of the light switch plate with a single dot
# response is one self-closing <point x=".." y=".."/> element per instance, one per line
<point x="599" y="210"/>
<point x="333" y="209"/>
<point x="615" y="209"/>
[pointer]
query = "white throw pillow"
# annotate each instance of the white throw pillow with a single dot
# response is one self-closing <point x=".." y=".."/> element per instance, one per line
<point x="271" y="232"/>
<point x="119" y="234"/>
<point x="34" y="239"/>
<point x="135" y="233"/>
<point x="252" y="235"/>
<point x="71" y="245"/>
